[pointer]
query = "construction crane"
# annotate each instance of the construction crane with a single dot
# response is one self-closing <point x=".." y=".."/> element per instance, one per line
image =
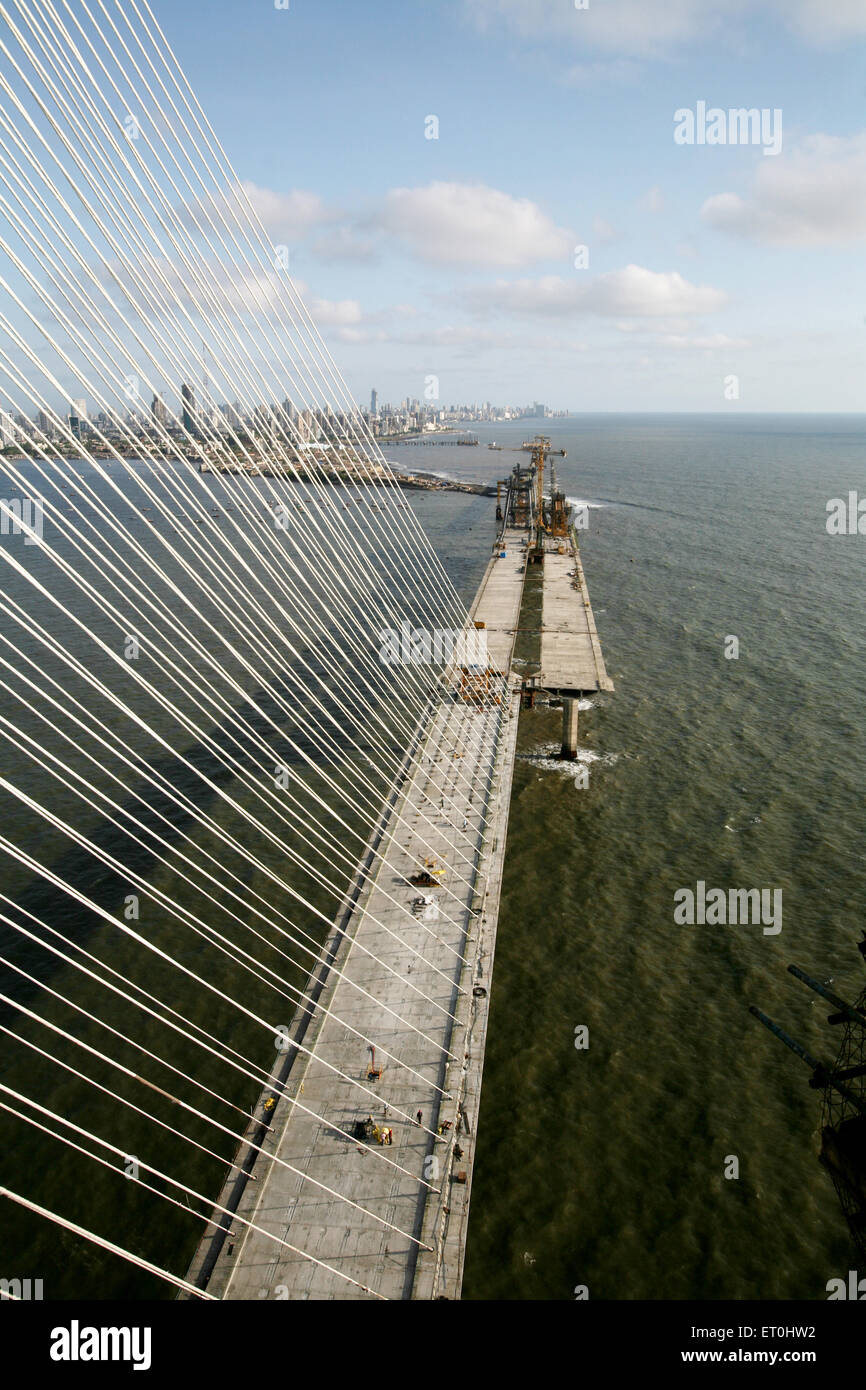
<point x="843" y="1083"/>
<point x="552" y="514"/>
<point x="539" y="461"/>
<point x="526" y="505"/>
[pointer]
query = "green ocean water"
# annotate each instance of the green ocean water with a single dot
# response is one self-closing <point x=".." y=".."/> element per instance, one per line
<point x="605" y="1167"/>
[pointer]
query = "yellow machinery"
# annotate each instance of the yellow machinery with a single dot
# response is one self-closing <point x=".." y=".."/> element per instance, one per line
<point x="479" y="686"/>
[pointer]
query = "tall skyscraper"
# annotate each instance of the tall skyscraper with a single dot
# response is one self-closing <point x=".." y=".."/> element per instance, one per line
<point x="188" y="398"/>
<point x="158" y="410"/>
<point x="374" y="402"/>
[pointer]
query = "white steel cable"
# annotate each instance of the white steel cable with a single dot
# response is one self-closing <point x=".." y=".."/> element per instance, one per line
<point x="163" y="1124"/>
<point x="264" y="648"/>
<point x="178" y="146"/>
<point x="106" y="1244"/>
<point x="209" y="933"/>
<point x="165" y="956"/>
<point x="165" y="1196"/>
<point x="262" y="1080"/>
<point x="130" y="1042"/>
<point x="165" y="704"/>
<point x="183" y="1187"/>
<point x="297" y="934"/>
<point x="254" y="222"/>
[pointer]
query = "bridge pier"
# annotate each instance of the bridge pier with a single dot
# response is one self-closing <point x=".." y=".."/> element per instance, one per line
<point x="569" y="729"/>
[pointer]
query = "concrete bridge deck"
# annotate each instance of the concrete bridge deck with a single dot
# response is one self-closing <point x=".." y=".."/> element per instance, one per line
<point x="461" y="783"/>
<point x="571" y="658"/>
<point x="497" y="603"/>
<point x="417" y="985"/>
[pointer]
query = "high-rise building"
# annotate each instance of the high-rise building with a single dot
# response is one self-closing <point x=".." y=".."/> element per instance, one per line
<point x="374" y="402"/>
<point x="159" y="410"/>
<point x="188" y="415"/>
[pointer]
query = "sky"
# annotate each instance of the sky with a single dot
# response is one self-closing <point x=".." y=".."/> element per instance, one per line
<point x="556" y="241"/>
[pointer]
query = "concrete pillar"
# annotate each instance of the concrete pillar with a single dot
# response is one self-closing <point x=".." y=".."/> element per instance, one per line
<point x="569" y="729"/>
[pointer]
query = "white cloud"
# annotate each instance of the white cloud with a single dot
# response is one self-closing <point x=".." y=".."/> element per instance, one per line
<point x="471" y="224"/>
<point x="813" y="195"/>
<point x="654" y="28"/>
<point x="633" y="291"/>
<point x="248" y="296"/>
<point x="632" y="27"/>
<point x="254" y="291"/>
<point x="288" y="214"/>
<point x="336" y="313"/>
<point x="461" y="339"/>
<point x="825" y="23"/>
<point x="283" y="215"/>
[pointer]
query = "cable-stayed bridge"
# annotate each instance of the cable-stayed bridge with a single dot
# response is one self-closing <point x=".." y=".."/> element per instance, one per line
<point x="253" y="822"/>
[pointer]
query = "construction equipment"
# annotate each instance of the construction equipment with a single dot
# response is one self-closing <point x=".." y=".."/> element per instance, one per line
<point x="479" y="685"/>
<point x="368" y="1132"/>
<point x="843" y="1133"/>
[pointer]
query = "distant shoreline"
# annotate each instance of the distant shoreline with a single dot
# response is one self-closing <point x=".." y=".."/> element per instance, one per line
<point x="421" y="481"/>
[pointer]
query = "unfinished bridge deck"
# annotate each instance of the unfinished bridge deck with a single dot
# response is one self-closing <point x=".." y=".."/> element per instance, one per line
<point x="417" y="985"/>
<point x="571" y="658"/>
<point x="426" y="983"/>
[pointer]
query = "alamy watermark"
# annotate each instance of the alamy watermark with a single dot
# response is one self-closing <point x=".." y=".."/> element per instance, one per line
<point x="22" y="516"/>
<point x="719" y="907"/>
<point x="421" y="646"/>
<point x="77" y="1343"/>
<point x="737" y="126"/>
<point x="853" y="1288"/>
<point x="22" y="1289"/>
<point x="846" y="517"/>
